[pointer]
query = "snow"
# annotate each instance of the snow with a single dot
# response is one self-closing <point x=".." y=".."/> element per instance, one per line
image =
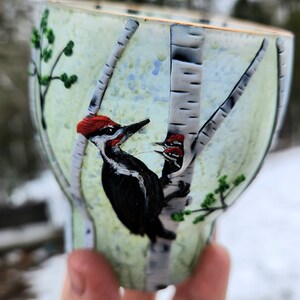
<point x="43" y="188"/>
<point x="27" y="235"/>
<point x="261" y="232"/>
<point x="48" y="282"/>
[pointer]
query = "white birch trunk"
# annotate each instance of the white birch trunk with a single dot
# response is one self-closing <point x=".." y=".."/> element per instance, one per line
<point x="81" y="142"/>
<point x="185" y="94"/>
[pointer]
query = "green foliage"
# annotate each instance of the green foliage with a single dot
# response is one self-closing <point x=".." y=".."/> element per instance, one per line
<point x="208" y="205"/>
<point x="47" y="54"/>
<point x="38" y="39"/>
<point x="44" y="80"/>
<point x="199" y="219"/>
<point x="68" y="81"/>
<point x="209" y="200"/>
<point x="178" y="216"/>
<point x="44" y="21"/>
<point x="69" y="48"/>
<point x="238" y="180"/>
<point x="50" y="36"/>
<point x="223" y="185"/>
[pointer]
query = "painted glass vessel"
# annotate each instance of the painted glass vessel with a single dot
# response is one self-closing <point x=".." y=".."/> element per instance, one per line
<point x="154" y="123"/>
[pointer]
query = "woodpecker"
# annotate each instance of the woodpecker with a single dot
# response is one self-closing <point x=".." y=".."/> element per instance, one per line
<point x="134" y="191"/>
<point x="173" y="160"/>
<point x="173" y="140"/>
<point x="173" y="154"/>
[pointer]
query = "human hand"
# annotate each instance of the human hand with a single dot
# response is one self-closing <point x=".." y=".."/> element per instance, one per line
<point x="90" y="277"/>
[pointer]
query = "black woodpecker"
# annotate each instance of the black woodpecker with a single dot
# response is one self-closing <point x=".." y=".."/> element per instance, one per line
<point x="134" y="191"/>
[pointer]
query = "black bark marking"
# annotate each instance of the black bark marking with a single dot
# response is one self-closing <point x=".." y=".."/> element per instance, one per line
<point x="179" y="92"/>
<point x="204" y="21"/>
<point x="132" y="11"/>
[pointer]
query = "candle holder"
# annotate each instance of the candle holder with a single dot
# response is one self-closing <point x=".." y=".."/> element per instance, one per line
<point x="154" y="121"/>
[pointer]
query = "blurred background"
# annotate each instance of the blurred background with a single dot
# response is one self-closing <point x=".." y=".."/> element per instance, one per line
<point x="31" y="230"/>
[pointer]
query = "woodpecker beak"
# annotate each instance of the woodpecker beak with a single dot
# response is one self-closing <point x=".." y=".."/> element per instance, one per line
<point x="161" y="144"/>
<point x="159" y="152"/>
<point x="133" y="128"/>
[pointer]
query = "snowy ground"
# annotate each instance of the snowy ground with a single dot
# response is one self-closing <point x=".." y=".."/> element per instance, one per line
<point x="261" y="232"/>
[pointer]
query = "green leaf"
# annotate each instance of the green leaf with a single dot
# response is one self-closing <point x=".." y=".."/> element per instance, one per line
<point x="44" y="80"/>
<point x="35" y="38"/>
<point x="208" y="201"/>
<point x="46" y="13"/>
<point x="67" y="84"/>
<point x="69" y="48"/>
<point x="44" y="21"/>
<point x="223" y="185"/>
<point x="47" y="54"/>
<point x="68" y="81"/>
<point x="64" y="77"/>
<point x="198" y="219"/>
<point x="70" y="44"/>
<point x="238" y="180"/>
<point x="177" y="216"/>
<point x="50" y="36"/>
<point x="73" y="79"/>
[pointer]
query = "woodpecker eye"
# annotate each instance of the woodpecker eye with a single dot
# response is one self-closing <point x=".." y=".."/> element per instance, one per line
<point x="109" y="130"/>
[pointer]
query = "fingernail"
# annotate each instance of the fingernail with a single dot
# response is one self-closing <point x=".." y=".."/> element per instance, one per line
<point x="77" y="282"/>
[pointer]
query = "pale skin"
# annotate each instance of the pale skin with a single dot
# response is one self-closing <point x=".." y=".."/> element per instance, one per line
<point x="90" y="277"/>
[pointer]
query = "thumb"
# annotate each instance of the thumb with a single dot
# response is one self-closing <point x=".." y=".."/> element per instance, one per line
<point x="210" y="277"/>
<point x="90" y="277"/>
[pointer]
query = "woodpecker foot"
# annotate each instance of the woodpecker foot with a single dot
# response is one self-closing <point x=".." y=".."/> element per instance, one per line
<point x="184" y="189"/>
<point x="164" y="181"/>
<point x="167" y="234"/>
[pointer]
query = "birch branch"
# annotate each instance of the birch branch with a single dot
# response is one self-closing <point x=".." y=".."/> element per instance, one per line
<point x="81" y="142"/>
<point x="214" y="122"/>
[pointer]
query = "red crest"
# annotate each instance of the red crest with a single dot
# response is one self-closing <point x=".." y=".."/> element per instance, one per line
<point x="176" y="137"/>
<point x="91" y="124"/>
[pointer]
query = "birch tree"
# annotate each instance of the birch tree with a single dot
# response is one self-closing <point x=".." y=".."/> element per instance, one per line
<point x="183" y="94"/>
<point x="81" y="142"/>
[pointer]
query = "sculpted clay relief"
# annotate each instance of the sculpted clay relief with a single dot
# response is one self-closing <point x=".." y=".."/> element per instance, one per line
<point x="153" y="128"/>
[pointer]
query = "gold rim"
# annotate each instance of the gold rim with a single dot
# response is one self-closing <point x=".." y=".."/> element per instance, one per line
<point x="176" y="16"/>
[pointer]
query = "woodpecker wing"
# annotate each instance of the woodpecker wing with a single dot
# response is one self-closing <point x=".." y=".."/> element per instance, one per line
<point x="134" y="192"/>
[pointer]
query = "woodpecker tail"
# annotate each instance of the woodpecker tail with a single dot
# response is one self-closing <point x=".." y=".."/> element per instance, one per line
<point x="156" y="229"/>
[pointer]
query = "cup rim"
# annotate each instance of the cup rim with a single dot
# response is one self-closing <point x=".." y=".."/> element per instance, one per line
<point x="230" y="24"/>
